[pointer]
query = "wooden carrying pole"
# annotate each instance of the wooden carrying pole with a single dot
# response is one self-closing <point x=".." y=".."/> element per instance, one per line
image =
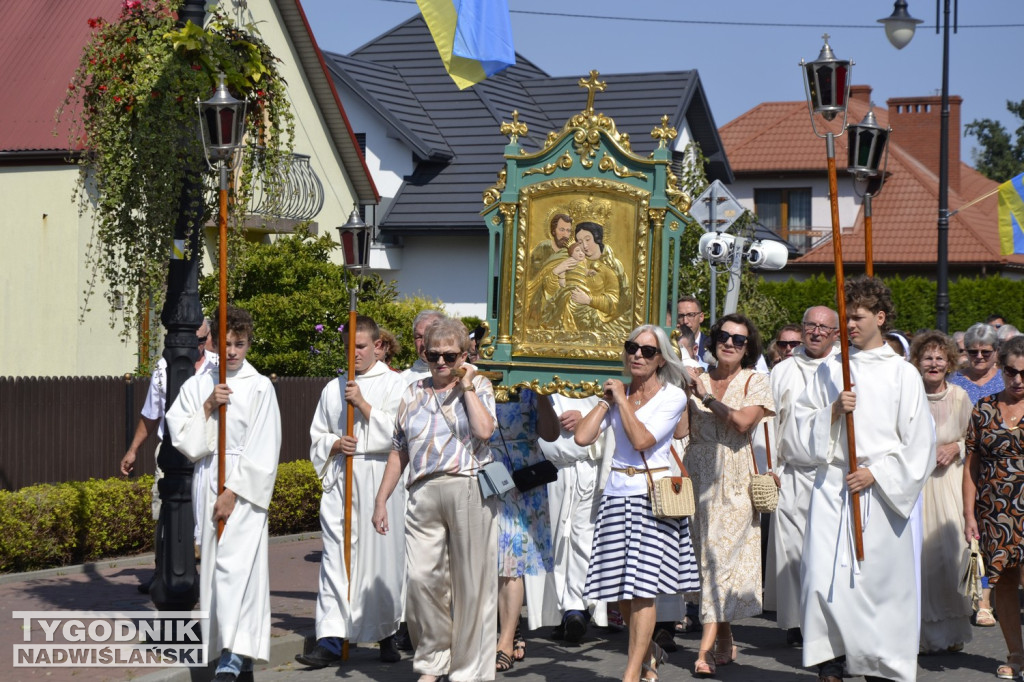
<point x="844" y="337"/>
<point x="222" y="331"/>
<point x="350" y="422"/>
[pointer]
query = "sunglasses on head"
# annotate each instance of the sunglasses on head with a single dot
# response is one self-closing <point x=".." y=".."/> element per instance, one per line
<point x="1011" y="372"/>
<point x="981" y="353"/>
<point x="434" y="356"/>
<point x="738" y="340"/>
<point x="647" y="351"/>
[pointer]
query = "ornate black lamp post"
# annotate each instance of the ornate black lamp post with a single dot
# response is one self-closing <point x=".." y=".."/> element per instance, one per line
<point x="899" y="27"/>
<point x="868" y="148"/>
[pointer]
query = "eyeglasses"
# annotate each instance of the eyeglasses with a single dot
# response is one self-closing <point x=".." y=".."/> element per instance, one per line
<point x="812" y="328"/>
<point x="977" y="352"/>
<point x="788" y="344"/>
<point x="961" y="350"/>
<point x="647" y="351"/>
<point x="434" y="356"/>
<point x="687" y="316"/>
<point x="1011" y="372"/>
<point x="738" y="340"/>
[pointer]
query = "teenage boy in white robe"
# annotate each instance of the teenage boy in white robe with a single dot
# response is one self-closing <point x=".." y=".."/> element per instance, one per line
<point x="796" y="474"/>
<point x="234" y="583"/>
<point x="864" y="614"/>
<point x="378" y="561"/>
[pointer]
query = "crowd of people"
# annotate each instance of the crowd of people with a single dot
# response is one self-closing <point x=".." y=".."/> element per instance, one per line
<point x="444" y="552"/>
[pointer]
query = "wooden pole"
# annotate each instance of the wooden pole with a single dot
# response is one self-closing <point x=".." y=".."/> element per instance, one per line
<point x="844" y="336"/>
<point x="869" y="258"/>
<point x="222" y="331"/>
<point x="350" y="422"/>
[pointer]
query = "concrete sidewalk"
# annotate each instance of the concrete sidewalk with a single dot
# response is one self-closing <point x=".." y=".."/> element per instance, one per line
<point x="294" y="564"/>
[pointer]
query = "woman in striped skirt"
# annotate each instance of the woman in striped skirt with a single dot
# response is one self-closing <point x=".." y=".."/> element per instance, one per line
<point x="637" y="556"/>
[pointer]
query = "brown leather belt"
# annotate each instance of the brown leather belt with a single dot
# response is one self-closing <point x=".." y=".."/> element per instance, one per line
<point x="638" y="471"/>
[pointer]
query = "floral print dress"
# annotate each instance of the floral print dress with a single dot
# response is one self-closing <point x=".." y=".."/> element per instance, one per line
<point x="524" y="525"/>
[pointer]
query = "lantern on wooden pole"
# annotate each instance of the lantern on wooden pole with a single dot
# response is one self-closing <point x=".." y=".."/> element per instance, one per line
<point x="221" y="127"/>
<point x="868" y="148"/>
<point x="827" y="86"/>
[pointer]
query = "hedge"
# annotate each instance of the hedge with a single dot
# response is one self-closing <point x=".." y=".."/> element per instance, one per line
<point x="971" y="299"/>
<point x="49" y="525"/>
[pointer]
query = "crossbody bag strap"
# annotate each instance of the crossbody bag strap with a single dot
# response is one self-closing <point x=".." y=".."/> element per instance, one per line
<point x="682" y="467"/>
<point x="767" y="445"/>
<point x="647" y="469"/>
<point x="750" y="442"/>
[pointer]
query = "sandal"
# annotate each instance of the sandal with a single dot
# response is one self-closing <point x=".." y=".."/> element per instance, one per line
<point x="725" y="651"/>
<point x="518" y="645"/>
<point x="984" y="618"/>
<point x="1011" y="669"/>
<point x="502" y="662"/>
<point x="704" y="667"/>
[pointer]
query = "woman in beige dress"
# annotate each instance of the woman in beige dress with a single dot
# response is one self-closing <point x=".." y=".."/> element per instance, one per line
<point x="727" y="403"/>
<point x="945" y="613"/>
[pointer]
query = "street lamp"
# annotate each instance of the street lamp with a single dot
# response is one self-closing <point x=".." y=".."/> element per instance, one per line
<point x="903" y="25"/>
<point x="221" y="127"/>
<point x="868" y="147"/>
<point x="355" y="243"/>
<point x="827" y="86"/>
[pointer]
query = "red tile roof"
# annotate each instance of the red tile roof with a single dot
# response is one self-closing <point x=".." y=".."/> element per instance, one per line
<point x="40" y="51"/>
<point x="776" y="137"/>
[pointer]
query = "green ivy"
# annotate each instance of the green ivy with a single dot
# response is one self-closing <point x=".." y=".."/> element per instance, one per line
<point x="132" y="106"/>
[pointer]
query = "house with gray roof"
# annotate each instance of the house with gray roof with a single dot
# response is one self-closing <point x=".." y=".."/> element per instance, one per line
<point x="432" y="149"/>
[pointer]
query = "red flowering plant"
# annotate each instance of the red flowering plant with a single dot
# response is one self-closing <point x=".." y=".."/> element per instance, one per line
<point x="131" y="108"/>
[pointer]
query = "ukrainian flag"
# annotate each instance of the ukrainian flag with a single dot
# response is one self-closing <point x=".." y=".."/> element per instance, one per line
<point x="474" y="37"/>
<point x="1011" y="216"/>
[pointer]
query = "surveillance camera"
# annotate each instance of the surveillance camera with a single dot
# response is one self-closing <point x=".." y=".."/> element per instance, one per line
<point x="716" y="247"/>
<point x="767" y="255"/>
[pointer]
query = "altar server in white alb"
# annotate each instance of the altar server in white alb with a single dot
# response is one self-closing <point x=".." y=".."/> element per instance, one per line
<point x="378" y="561"/>
<point x="796" y="473"/>
<point x="864" y="613"/>
<point x="234" y="584"/>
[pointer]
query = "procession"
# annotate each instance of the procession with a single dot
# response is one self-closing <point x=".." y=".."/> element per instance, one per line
<point x="582" y="383"/>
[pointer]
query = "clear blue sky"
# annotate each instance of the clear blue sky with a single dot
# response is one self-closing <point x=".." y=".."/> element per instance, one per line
<point x="742" y="65"/>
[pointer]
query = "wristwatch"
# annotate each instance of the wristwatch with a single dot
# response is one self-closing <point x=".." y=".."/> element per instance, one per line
<point x="708" y="399"/>
<point x="470" y="387"/>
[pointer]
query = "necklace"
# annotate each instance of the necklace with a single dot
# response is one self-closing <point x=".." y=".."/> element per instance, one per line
<point x="638" y="401"/>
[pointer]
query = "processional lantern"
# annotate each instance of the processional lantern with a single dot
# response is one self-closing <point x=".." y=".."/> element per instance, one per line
<point x="827" y="84"/>
<point x="355" y="241"/>
<point x="221" y="125"/>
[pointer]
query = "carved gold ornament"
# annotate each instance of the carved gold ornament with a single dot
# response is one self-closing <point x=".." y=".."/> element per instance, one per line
<point x="607" y="163"/>
<point x="564" y="162"/>
<point x="664" y="132"/>
<point x="493" y="193"/>
<point x="514" y="129"/>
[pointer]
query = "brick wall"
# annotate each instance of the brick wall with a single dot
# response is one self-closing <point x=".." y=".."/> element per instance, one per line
<point x="916" y="123"/>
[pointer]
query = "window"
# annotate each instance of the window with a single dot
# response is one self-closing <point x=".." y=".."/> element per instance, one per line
<point x="787" y="212"/>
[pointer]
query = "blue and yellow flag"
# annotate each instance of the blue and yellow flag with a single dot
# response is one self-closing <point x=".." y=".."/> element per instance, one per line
<point x="473" y="37"/>
<point x="1011" y="216"/>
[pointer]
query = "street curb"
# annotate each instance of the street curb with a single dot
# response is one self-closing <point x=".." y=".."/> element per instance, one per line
<point x="112" y="562"/>
<point x="282" y="650"/>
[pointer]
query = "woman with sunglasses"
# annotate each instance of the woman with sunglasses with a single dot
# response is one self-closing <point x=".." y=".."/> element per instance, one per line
<point x="442" y="429"/>
<point x="637" y="556"/>
<point x="728" y="402"/>
<point x="994" y="496"/>
<point x="980" y="377"/>
<point x="945" y="613"/>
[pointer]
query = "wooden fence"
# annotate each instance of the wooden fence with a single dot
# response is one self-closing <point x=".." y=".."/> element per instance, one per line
<point x="55" y="429"/>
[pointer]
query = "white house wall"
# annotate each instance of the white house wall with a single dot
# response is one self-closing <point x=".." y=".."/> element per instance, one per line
<point x="821" y="210"/>
<point x="452" y="269"/>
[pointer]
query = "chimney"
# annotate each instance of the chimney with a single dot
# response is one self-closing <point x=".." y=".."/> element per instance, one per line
<point x="860" y="93"/>
<point x="916" y="124"/>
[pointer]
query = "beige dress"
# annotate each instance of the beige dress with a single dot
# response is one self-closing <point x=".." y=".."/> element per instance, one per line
<point x="726" y="530"/>
<point x="945" y="613"/>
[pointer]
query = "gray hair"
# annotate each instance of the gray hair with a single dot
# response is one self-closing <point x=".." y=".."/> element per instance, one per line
<point x="980" y="334"/>
<point x="1007" y="332"/>
<point x="673" y="371"/>
<point x="426" y="315"/>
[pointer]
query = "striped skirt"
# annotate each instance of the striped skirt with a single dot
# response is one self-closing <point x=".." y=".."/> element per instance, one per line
<point x="636" y="554"/>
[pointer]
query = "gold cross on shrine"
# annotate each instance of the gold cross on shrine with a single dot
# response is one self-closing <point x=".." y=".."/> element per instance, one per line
<point x="664" y="132"/>
<point x="593" y="86"/>
<point x="514" y="129"/>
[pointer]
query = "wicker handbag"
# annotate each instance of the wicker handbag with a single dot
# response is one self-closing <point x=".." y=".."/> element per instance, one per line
<point x="671" y="496"/>
<point x="764" y="491"/>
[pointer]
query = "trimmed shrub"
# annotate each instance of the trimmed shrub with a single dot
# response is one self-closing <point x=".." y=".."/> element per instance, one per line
<point x="49" y="525"/>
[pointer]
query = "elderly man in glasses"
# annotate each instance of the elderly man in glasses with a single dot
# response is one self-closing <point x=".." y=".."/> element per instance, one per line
<point x="815" y="342"/>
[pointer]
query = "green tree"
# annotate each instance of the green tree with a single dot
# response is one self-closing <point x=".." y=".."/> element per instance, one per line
<point x="299" y="301"/>
<point x="1001" y="157"/>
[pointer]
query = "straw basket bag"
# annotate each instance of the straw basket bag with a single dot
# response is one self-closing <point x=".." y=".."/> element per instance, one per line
<point x="671" y="496"/>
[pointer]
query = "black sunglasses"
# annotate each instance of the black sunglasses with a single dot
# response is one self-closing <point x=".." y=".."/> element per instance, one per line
<point x="434" y="356"/>
<point x="647" y="351"/>
<point x="738" y="340"/>
<point x="784" y="344"/>
<point x="201" y="340"/>
<point x="981" y="353"/>
<point x="1011" y="372"/>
